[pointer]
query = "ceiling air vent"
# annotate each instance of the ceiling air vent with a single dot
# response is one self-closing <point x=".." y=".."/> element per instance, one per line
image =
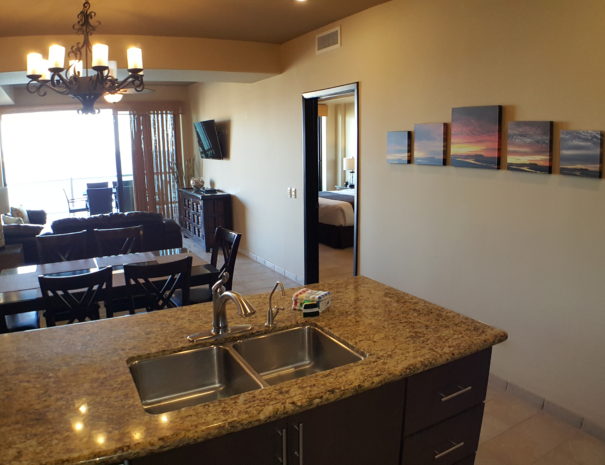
<point x="329" y="40"/>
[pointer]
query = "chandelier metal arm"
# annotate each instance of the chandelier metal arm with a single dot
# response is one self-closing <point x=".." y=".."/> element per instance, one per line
<point x="77" y="82"/>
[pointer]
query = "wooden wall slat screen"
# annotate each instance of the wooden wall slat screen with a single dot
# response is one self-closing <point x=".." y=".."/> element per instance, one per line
<point x="156" y="161"/>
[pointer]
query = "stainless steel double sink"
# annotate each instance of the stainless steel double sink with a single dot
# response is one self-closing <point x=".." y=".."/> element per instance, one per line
<point x="194" y="376"/>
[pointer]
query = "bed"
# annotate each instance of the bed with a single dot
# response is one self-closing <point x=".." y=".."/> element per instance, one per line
<point x="336" y="218"/>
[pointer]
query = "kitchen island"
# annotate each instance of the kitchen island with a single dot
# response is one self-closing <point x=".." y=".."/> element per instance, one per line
<point x="67" y="395"/>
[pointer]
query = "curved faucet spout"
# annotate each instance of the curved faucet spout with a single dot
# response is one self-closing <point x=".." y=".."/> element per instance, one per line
<point x="219" y="320"/>
<point x="220" y="297"/>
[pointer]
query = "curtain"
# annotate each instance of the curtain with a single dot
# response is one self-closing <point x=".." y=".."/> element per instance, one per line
<point x="157" y="167"/>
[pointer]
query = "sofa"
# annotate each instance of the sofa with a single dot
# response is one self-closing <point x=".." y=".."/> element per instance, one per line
<point x="158" y="233"/>
<point x="25" y="234"/>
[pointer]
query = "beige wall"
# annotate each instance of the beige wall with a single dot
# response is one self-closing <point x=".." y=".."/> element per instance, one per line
<point x="523" y="252"/>
<point x="184" y="53"/>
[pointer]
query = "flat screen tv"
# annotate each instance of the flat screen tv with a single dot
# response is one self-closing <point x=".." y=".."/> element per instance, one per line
<point x="207" y="139"/>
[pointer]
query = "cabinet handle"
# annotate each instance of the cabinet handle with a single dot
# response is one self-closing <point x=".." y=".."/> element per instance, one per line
<point x="462" y="390"/>
<point x="299" y="453"/>
<point x="284" y="446"/>
<point x="455" y="446"/>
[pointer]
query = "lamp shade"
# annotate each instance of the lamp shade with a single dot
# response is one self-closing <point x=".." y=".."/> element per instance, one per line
<point x="348" y="164"/>
<point x="4" y="205"/>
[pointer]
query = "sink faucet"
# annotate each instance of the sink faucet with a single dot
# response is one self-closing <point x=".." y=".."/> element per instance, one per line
<point x="220" y="296"/>
<point x="219" y="300"/>
<point x="273" y="311"/>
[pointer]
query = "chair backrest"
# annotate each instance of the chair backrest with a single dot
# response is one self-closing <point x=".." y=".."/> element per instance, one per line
<point x="118" y="241"/>
<point x="96" y="185"/>
<point x="157" y="282"/>
<point x="100" y="200"/>
<point x="226" y="243"/>
<point x="75" y="297"/>
<point x="62" y="247"/>
<point x="71" y="204"/>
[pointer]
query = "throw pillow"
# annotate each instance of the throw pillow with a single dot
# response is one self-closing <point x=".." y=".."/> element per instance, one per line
<point x="20" y="212"/>
<point x="7" y="219"/>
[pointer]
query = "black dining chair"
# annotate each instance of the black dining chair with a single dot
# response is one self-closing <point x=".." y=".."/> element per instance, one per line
<point x="62" y="247"/>
<point x="154" y="284"/>
<point x="117" y="241"/>
<point x="72" y="204"/>
<point x="96" y="185"/>
<point x="100" y="200"/>
<point x="75" y="298"/>
<point x="226" y="244"/>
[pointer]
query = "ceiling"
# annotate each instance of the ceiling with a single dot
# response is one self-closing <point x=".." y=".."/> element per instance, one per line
<point x="273" y="21"/>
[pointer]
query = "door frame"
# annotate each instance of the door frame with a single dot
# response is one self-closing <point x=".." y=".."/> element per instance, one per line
<point x="311" y="143"/>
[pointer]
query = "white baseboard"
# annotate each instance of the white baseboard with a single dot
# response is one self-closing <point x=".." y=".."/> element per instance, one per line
<point x="271" y="266"/>
<point x="563" y="414"/>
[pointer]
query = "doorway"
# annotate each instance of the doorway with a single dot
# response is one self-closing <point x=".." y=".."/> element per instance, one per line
<point x="331" y="182"/>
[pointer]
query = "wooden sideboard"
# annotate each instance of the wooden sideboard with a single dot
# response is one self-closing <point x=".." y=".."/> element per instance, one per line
<point x="200" y="214"/>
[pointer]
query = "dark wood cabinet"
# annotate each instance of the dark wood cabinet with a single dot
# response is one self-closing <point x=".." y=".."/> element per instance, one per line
<point x="443" y="413"/>
<point x="200" y="214"/>
<point x="433" y="417"/>
<point x="261" y="445"/>
<point x="364" y="429"/>
<point x="361" y="430"/>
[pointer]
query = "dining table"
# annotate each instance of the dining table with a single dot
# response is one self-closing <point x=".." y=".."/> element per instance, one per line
<point x="20" y="291"/>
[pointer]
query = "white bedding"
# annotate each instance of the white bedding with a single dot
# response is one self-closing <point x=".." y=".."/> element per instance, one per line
<point x="335" y="212"/>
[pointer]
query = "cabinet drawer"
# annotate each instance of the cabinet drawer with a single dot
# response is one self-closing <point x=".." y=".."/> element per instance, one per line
<point x="444" y="391"/>
<point x="447" y="443"/>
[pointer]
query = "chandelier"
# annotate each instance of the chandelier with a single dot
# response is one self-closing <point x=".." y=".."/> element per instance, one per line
<point x="78" y="80"/>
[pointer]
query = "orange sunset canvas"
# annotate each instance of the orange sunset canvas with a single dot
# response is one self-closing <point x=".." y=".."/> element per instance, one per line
<point x="476" y="136"/>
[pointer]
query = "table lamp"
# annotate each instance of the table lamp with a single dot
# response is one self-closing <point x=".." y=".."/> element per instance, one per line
<point x="4" y="208"/>
<point x="348" y="164"/>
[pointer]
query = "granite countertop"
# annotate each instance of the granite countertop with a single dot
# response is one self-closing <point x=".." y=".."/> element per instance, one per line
<point x="66" y="394"/>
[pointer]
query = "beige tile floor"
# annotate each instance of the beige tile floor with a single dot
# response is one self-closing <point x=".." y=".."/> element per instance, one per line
<point x="335" y="263"/>
<point x="250" y="277"/>
<point x="515" y="432"/>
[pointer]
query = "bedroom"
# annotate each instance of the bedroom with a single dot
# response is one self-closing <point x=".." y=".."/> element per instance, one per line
<point x="337" y="185"/>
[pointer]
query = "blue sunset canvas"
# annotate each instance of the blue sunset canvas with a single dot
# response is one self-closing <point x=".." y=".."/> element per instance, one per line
<point x="429" y="144"/>
<point x="398" y="147"/>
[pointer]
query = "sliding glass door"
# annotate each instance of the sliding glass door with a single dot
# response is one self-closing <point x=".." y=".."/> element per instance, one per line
<point x="50" y="157"/>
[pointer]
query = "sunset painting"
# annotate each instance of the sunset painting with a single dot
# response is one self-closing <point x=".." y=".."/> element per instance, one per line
<point x="581" y="153"/>
<point x="398" y="147"/>
<point x="476" y="136"/>
<point x="530" y="146"/>
<point x="429" y="144"/>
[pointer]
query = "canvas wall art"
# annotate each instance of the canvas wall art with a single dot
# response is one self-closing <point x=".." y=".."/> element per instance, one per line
<point x="398" y="147"/>
<point x="476" y="136"/>
<point x="581" y="153"/>
<point x="530" y="146"/>
<point x="429" y="144"/>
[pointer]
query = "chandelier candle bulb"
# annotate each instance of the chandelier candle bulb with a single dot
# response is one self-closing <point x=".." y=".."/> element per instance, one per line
<point x="113" y="68"/>
<point x="45" y="72"/>
<point x="135" y="59"/>
<point x="34" y="64"/>
<point x="100" y="56"/>
<point x="56" y="57"/>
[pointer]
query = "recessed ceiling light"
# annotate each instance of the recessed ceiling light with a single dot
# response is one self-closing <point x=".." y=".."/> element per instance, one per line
<point x="300" y="1"/>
